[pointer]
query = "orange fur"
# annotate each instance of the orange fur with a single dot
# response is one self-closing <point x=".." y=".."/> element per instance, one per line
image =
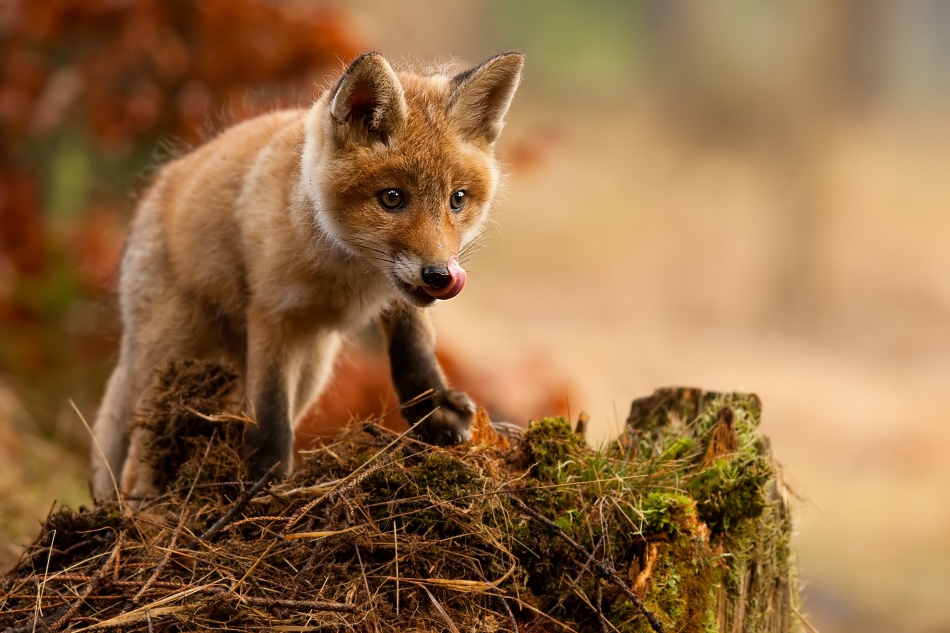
<point x="266" y="245"/>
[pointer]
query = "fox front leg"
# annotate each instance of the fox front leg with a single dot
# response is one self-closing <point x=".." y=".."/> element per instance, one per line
<point x="446" y="415"/>
<point x="271" y="440"/>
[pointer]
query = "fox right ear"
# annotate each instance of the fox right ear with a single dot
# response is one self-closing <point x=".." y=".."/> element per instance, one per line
<point x="368" y="103"/>
<point x="482" y="96"/>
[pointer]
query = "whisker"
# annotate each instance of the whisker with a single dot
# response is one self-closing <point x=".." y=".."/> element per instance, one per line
<point x="361" y="246"/>
<point x="474" y="243"/>
<point x="379" y="259"/>
<point x="478" y="239"/>
<point x="367" y="245"/>
<point x="474" y="247"/>
<point x="372" y="248"/>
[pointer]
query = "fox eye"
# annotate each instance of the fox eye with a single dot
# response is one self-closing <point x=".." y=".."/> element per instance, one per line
<point x="457" y="200"/>
<point x="390" y="199"/>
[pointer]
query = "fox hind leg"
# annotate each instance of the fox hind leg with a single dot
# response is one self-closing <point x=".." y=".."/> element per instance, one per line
<point x="175" y="328"/>
<point x="110" y="435"/>
<point x="136" y="479"/>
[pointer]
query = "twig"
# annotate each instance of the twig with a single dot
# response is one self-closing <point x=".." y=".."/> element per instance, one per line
<point x="372" y="429"/>
<point x="511" y="616"/>
<point x="167" y="557"/>
<point x="504" y="603"/>
<point x="42" y="587"/>
<point x="599" y="603"/>
<point x="538" y="612"/>
<point x="228" y="516"/>
<point x="253" y="566"/>
<point x="604" y="568"/>
<point x="396" y="559"/>
<point x="438" y="607"/>
<point x="93" y="584"/>
<point x="369" y="594"/>
<point x="220" y="417"/>
<point x="95" y="441"/>
<point x="157" y="607"/>
<point x="117" y="583"/>
<point x="178" y="528"/>
<point x="118" y="558"/>
<point x="584" y="569"/>
<point x="314" y="605"/>
<point x="801" y="617"/>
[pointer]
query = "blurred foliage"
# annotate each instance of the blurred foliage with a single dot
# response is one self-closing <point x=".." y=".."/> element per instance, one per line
<point x="590" y="52"/>
<point x="92" y="93"/>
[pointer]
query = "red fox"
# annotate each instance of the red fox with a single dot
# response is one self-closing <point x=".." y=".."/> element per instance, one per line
<point x="266" y="245"/>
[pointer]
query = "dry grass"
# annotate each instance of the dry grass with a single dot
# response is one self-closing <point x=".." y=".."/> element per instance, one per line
<point x="380" y="532"/>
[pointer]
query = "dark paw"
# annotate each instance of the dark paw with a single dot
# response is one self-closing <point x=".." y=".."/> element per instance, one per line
<point x="266" y="449"/>
<point x="451" y="420"/>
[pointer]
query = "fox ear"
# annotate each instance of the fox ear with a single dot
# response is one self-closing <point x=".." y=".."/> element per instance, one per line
<point x="482" y="96"/>
<point x="368" y="103"/>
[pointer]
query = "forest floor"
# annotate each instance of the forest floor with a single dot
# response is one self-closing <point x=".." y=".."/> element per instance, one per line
<point x="663" y="270"/>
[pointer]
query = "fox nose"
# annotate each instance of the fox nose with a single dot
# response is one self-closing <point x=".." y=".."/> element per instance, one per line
<point x="436" y="276"/>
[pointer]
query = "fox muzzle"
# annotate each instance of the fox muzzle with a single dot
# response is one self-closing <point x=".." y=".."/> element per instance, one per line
<point x="444" y="281"/>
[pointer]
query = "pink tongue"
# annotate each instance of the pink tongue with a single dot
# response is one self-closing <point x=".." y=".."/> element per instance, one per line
<point x="455" y="286"/>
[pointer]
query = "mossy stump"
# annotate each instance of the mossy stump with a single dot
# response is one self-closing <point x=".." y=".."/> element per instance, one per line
<point x="379" y="532"/>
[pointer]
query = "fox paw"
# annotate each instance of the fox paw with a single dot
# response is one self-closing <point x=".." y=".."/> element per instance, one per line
<point x="450" y="422"/>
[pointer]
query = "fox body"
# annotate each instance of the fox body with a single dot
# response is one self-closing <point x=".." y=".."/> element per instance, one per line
<point x="266" y="245"/>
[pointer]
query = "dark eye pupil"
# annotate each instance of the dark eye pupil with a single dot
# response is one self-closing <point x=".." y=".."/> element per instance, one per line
<point x="458" y="200"/>
<point x="390" y="198"/>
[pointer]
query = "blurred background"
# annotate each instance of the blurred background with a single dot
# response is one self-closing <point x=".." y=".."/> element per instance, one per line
<point x="737" y="195"/>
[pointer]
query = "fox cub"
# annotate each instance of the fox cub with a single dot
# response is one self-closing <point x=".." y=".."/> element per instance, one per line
<point x="266" y="245"/>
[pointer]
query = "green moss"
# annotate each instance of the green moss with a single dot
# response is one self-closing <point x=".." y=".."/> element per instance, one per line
<point x="678" y="483"/>
<point x="730" y="491"/>
<point x="734" y="486"/>
<point x="678" y="588"/>
<point x="758" y="565"/>
<point x="447" y="476"/>
<point x="551" y="444"/>
<point x="679" y="448"/>
<point x="671" y="512"/>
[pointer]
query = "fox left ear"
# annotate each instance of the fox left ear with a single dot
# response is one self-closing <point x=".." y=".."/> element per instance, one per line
<point x="368" y="101"/>
<point x="482" y="96"/>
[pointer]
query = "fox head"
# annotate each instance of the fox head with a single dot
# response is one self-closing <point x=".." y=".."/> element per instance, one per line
<point x="401" y="167"/>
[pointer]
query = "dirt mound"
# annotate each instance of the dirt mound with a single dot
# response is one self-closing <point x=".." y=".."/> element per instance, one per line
<point x="678" y="525"/>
